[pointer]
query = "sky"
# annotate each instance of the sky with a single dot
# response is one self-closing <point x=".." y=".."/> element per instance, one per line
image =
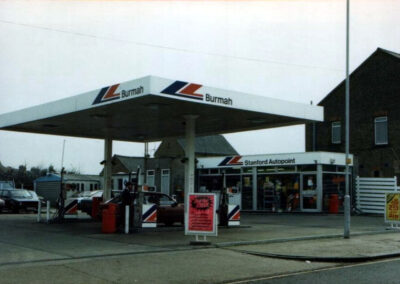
<point x="292" y="50"/>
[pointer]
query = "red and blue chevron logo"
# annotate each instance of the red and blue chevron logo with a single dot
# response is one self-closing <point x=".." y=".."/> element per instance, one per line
<point x="107" y="94"/>
<point x="150" y="216"/>
<point x="184" y="89"/>
<point x="234" y="215"/>
<point x="231" y="161"/>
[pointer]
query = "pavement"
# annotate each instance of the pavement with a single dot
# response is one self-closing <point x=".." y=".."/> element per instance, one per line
<point x="265" y="244"/>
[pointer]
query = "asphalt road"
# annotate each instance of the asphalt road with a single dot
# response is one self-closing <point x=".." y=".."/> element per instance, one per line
<point x="384" y="271"/>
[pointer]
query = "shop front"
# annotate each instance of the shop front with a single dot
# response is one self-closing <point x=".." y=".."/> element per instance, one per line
<point x="298" y="182"/>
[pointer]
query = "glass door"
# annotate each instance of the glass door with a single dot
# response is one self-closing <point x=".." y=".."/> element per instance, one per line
<point x="309" y="193"/>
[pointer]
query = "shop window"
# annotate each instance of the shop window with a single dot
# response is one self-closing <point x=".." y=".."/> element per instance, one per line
<point x="204" y="171"/>
<point x="329" y="168"/>
<point x="232" y="171"/>
<point x="308" y="168"/>
<point x="247" y="170"/>
<point x="214" y="171"/>
<point x="150" y="179"/>
<point x="333" y="185"/>
<point x="286" y="169"/>
<point x="278" y="193"/>
<point x="336" y="132"/>
<point x="262" y="169"/>
<point x="381" y="130"/>
<point x="247" y="192"/>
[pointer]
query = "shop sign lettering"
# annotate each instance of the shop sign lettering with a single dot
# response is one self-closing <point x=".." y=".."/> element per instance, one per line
<point x="288" y="161"/>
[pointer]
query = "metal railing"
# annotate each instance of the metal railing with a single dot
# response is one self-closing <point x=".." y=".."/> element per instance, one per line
<point x="370" y="193"/>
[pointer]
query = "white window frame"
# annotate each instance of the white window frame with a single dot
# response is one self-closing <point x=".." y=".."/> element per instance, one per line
<point x="151" y="175"/>
<point x="336" y="124"/>
<point x="381" y="119"/>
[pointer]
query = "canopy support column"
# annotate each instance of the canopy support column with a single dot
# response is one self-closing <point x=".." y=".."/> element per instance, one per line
<point x="107" y="169"/>
<point x="190" y="128"/>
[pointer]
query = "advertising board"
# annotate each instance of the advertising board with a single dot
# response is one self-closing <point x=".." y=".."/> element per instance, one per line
<point x="201" y="218"/>
<point x="392" y="208"/>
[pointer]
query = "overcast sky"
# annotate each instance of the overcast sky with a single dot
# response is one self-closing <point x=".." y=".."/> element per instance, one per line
<point x="293" y="50"/>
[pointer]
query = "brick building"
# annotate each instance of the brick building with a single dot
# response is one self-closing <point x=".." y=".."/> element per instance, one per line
<point x="374" y="117"/>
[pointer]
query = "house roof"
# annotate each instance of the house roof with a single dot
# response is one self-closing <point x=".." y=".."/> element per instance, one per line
<point x="126" y="164"/>
<point x="68" y="177"/>
<point x="377" y="52"/>
<point x="214" y="145"/>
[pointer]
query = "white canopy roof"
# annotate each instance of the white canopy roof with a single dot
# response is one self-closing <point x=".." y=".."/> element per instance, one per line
<point x="152" y="108"/>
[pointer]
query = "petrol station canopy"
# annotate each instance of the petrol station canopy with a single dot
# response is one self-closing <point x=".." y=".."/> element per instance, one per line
<point x="152" y="108"/>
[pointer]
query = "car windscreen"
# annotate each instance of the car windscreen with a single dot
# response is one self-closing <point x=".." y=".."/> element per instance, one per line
<point x="6" y="185"/>
<point x="20" y="194"/>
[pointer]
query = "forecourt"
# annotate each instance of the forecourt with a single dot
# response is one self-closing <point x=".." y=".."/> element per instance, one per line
<point x="153" y="108"/>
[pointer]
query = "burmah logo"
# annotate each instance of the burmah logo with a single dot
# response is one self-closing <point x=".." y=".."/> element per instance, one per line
<point x="184" y="89"/>
<point x="231" y="161"/>
<point x="107" y="94"/>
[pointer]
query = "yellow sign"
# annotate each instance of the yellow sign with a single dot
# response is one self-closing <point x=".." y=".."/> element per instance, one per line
<point x="392" y="210"/>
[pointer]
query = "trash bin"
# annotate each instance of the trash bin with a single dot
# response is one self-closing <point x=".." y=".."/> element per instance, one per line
<point x="109" y="222"/>
<point x="334" y="204"/>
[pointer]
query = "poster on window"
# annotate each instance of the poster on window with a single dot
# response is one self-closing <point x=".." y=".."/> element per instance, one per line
<point x="201" y="217"/>
<point x="392" y="208"/>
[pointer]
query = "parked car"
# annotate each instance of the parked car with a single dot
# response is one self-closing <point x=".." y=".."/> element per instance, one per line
<point x="86" y="200"/>
<point x="168" y="210"/>
<point x="41" y="198"/>
<point x="2" y="204"/>
<point x="6" y="184"/>
<point x="17" y="199"/>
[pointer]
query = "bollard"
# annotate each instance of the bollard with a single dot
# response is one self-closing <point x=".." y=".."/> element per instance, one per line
<point x="47" y="211"/>
<point x="39" y="211"/>
<point x="127" y="219"/>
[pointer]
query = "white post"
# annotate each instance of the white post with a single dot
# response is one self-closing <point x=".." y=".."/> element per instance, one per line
<point x="127" y="219"/>
<point x="47" y="211"/>
<point x="190" y="128"/>
<point x="107" y="169"/>
<point x="39" y="211"/>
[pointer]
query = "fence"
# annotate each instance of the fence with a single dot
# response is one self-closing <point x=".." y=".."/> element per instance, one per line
<point x="370" y="193"/>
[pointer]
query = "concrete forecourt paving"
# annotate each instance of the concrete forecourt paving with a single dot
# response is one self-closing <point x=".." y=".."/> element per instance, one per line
<point x="265" y="245"/>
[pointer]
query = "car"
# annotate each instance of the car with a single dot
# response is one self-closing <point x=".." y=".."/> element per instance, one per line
<point x="17" y="199"/>
<point x="86" y="201"/>
<point x="5" y="184"/>
<point x="34" y="195"/>
<point x="168" y="210"/>
<point x="2" y="204"/>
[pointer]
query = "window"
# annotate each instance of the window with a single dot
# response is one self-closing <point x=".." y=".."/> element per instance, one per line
<point x="120" y="183"/>
<point x="381" y="130"/>
<point x="150" y="179"/>
<point x="336" y="132"/>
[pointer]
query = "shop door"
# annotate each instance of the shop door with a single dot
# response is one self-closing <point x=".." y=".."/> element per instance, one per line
<point x="309" y="199"/>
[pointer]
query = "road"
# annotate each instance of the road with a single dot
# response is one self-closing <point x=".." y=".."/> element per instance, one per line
<point x="383" y="271"/>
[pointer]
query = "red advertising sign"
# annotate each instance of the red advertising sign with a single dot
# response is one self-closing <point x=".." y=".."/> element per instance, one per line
<point x="201" y="214"/>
